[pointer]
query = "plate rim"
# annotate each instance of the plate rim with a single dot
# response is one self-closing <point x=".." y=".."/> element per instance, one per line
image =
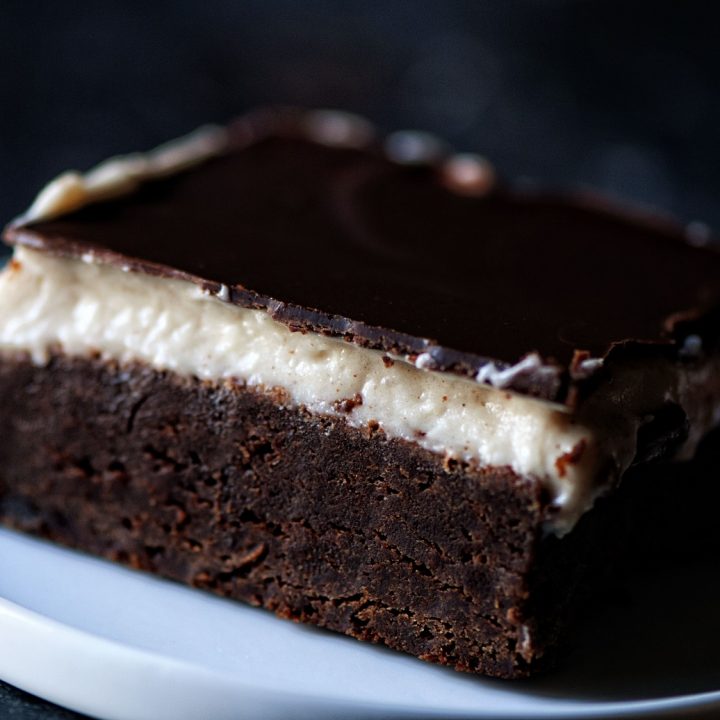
<point x="58" y="635"/>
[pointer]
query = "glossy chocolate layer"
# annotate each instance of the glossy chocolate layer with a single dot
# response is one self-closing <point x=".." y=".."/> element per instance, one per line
<point x="345" y="242"/>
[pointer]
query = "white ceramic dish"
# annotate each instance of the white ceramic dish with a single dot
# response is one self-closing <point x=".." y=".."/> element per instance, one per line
<point x="126" y="646"/>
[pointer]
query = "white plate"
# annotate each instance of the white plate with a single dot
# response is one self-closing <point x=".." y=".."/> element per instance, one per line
<point x="118" y="644"/>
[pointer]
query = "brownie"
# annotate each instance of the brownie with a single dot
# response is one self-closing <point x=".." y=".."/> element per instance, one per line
<point x="362" y="385"/>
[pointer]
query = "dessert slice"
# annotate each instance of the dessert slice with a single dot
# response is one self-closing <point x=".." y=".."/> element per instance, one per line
<point x="360" y="385"/>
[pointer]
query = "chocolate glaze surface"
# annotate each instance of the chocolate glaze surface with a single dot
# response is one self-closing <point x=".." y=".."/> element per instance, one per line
<point x="345" y="242"/>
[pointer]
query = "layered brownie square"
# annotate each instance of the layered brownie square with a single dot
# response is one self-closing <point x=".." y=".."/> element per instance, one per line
<point x="364" y="385"/>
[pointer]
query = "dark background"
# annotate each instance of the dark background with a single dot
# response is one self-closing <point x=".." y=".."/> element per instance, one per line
<point x="621" y="96"/>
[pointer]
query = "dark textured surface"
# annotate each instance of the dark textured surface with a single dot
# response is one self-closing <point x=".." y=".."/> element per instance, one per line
<point x="604" y="93"/>
<point x="347" y="242"/>
<point x="18" y="705"/>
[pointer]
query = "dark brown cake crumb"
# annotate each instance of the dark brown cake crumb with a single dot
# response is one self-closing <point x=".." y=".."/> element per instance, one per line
<point x="220" y="487"/>
<point x="347" y="405"/>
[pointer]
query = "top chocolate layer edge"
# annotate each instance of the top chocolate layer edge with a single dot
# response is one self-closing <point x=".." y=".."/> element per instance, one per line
<point x="409" y="253"/>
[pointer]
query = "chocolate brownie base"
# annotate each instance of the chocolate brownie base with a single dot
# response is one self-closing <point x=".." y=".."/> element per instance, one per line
<point x="224" y="488"/>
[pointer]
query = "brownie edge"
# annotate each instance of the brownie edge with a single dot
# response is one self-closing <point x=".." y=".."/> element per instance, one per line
<point x="227" y="488"/>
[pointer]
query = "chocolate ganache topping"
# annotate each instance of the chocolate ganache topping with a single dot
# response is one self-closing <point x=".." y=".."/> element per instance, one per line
<point x="418" y="255"/>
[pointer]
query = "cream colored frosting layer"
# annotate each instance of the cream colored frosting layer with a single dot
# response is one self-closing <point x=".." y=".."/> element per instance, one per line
<point x="123" y="174"/>
<point x="76" y="306"/>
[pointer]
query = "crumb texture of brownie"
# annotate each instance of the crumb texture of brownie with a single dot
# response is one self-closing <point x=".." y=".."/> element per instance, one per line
<point x="233" y="490"/>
